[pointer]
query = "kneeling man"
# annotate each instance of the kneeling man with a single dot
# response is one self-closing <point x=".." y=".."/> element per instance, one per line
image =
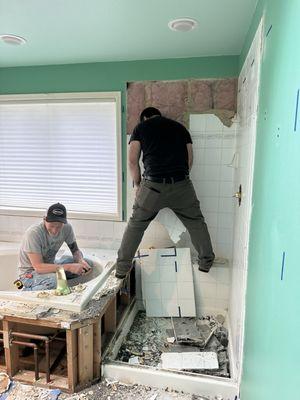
<point x="40" y="244"/>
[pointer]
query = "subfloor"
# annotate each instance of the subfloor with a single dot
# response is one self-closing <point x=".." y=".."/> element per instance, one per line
<point x="105" y="390"/>
<point x="149" y="337"/>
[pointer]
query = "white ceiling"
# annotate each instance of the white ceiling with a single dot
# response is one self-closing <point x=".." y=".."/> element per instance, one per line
<point x="80" y="31"/>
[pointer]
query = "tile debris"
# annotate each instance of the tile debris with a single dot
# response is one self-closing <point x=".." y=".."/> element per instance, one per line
<point x="150" y="337"/>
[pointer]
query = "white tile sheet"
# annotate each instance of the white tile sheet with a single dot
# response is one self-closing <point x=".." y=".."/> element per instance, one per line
<point x="167" y="282"/>
<point x="190" y="360"/>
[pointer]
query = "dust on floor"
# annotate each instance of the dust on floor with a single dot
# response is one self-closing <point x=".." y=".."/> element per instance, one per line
<point x="105" y="390"/>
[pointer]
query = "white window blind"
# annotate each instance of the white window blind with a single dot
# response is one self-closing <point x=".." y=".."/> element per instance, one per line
<point x="60" y="150"/>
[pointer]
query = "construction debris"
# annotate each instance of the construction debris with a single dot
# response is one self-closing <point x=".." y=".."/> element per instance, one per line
<point x="4" y="382"/>
<point x="150" y="338"/>
<point x="18" y="391"/>
<point x="114" y="390"/>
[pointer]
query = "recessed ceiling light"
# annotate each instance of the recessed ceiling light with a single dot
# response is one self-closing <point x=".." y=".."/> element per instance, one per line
<point x="13" y="40"/>
<point x="183" y="24"/>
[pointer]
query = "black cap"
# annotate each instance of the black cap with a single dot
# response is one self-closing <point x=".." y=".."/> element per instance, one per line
<point x="57" y="213"/>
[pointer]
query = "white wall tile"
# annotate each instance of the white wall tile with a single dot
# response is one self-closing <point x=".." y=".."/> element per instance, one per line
<point x="197" y="122"/>
<point x="207" y="289"/>
<point x="213" y="123"/>
<point x="226" y="189"/>
<point x="187" y="307"/>
<point x="213" y="140"/>
<point x="228" y="141"/>
<point x="227" y="156"/>
<point x="170" y="308"/>
<point x="212" y="156"/>
<point x="225" y="220"/>
<point x="212" y="172"/>
<point x="154" y="308"/>
<point x="185" y="289"/>
<point x="151" y="291"/>
<point x="223" y="291"/>
<point x="209" y="204"/>
<point x="227" y="173"/>
<point x="211" y="218"/>
<point x="226" y="204"/>
<point x="170" y="291"/>
<point x="207" y="189"/>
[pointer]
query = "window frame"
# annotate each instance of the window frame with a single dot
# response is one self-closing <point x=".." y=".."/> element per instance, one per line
<point x="68" y="97"/>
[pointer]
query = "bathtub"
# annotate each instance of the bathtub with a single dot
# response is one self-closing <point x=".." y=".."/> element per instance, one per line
<point x="102" y="259"/>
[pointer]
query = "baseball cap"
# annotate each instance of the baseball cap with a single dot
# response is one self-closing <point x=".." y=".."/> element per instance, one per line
<point x="57" y="213"/>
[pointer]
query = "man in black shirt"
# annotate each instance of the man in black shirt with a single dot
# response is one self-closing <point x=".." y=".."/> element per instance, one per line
<point x="167" y="158"/>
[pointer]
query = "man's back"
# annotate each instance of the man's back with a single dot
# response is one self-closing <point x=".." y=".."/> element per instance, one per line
<point x="163" y="142"/>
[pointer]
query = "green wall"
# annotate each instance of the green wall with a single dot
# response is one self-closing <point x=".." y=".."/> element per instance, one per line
<point x="272" y="344"/>
<point x="112" y="76"/>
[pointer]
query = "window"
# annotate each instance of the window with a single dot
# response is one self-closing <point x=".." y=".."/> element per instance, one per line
<point x="61" y="147"/>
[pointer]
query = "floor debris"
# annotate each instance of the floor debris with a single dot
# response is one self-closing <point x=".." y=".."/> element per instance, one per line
<point x="18" y="391"/>
<point x="114" y="390"/>
<point x="150" y="337"/>
<point x="105" y="390"/>
<point x="4" y="382"/>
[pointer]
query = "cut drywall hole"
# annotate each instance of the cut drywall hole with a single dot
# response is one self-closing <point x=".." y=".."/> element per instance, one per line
<point x="13" y="40"/>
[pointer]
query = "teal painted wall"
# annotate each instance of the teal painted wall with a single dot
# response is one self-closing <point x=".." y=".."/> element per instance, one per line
<point x="112" y="76"/>
<point x="272" y="345"/>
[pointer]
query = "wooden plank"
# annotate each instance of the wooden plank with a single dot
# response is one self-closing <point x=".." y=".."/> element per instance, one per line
<point x="85" y="354"/>
<point x="110" y="316"/>
<point x="38" y="322"/>
<point x="72" y="358"/>
<point x="57" y="382"/>
<point x="97" y="349"/>
<point x="11" y="352"/>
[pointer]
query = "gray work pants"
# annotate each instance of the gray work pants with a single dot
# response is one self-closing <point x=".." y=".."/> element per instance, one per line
<point x="152" y="197"/>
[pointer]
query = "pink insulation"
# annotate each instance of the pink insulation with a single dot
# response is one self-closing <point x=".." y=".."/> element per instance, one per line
<point x="178" y="99"/>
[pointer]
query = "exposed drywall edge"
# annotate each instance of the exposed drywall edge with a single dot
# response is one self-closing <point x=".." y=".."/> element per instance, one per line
<point x="256" y="18"/>
<point x="188" y="383"/>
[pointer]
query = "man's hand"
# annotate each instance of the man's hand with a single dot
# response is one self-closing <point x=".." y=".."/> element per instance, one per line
<point x="79" y="268"/>
<point x="86" y="266"/>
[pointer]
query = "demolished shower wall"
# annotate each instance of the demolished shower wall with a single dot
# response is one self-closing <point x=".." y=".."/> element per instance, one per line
<point x="192" y="102"/>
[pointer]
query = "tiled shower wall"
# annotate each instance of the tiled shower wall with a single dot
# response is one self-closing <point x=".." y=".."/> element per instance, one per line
<point x="212" y="175"/>
<point x="246" y="137"/>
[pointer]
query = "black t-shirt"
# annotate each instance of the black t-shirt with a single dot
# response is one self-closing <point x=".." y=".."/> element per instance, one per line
<point x="163" y="143"/>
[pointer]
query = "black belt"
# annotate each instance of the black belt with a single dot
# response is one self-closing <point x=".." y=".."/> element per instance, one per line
<point x="168" y="179"/>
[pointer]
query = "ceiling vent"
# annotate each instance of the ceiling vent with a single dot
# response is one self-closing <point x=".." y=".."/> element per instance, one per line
<point x="183" y="24"/>
<point x="13" y="40"/>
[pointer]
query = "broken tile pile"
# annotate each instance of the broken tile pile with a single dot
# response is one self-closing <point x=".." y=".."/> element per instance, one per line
<point x="149" y="338"/>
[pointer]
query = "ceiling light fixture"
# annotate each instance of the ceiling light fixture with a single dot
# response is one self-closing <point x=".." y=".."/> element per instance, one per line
<point x="13" y="40"/>
<point x="183" y="24"/>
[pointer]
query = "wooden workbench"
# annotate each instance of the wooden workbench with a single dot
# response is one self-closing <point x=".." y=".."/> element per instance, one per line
<point x="86" y="334"/>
